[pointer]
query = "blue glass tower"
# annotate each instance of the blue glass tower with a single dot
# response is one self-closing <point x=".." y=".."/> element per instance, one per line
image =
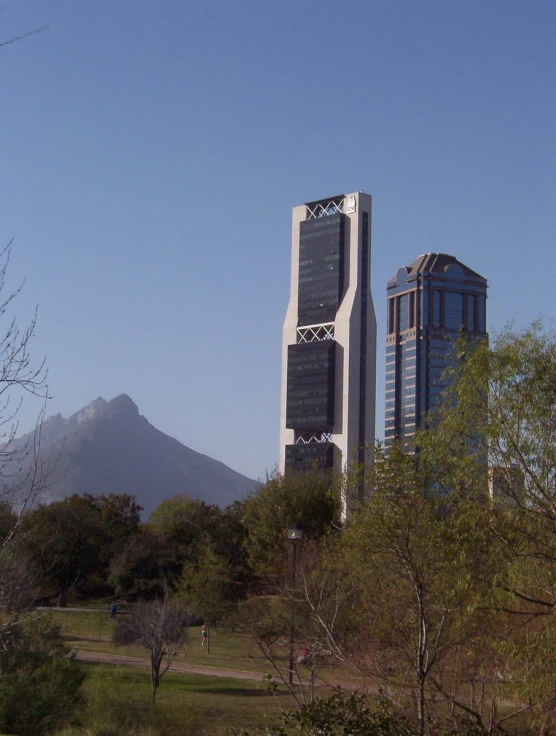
<point x="430" y="303"/>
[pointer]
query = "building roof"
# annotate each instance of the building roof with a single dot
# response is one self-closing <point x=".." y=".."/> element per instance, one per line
<point x="438" y="263"/>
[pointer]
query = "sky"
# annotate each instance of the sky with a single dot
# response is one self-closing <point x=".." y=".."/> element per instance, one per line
<point x="151" y="152"/>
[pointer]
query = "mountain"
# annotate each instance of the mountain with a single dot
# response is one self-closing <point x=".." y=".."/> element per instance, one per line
<point x="108" y="447"/>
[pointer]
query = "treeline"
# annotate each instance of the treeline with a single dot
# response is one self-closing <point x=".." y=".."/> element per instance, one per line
<point x="90" y="548"/>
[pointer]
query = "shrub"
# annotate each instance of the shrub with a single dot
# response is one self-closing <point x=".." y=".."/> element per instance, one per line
<point x="40" y="689"/>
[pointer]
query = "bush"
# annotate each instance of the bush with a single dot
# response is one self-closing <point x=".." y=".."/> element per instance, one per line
<point x="340" y="714"/>
<point x="40" y="689"/>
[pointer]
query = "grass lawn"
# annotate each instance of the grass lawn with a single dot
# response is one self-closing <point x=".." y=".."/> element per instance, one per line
<point x="228" y="650"/>
<point x="190" y="704"/>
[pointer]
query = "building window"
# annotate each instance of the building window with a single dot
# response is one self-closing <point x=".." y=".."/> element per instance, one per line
<point x="481" y="309"/>
<point x="471" y="313"/>
<point x="436" y="308"/>
<point x="454" y="310"/>
<point x="424" y="308"/>
<point x="391" y="315"/>
<point x="404" y="312"/>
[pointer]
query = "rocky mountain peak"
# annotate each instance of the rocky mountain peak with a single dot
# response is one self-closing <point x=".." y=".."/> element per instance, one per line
<point x="89" y="412"/>
<point x="108" y="447"/>
<point x="123" y="404"/>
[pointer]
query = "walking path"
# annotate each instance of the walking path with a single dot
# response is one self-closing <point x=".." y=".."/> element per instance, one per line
<point x="193" y="669"/>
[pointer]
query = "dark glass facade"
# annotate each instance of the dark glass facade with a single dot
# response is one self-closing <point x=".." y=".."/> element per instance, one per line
<point x="321" y="268"/>
<point x="310" y="456"/>
<point x="311" y="378"/>
<point x="430" y="304"/>
<point x="310" y="398"/>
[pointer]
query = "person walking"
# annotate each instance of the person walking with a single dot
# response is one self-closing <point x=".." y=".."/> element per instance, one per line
<point x="204" y="635"/>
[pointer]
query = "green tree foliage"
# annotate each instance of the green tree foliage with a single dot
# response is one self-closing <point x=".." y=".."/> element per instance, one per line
<point x="507" y="391"/>
<point x="501" y="399"/>
<point x="145" y="567"/>
<point x="40" y="687"/>
<point x="407" y="595"/>
<point x="205" y="587"/>
<point x="309" y="499"/>
<point x="70" y="544"/>
<point x="341" y="714"/>
<point x="208" y="543"/>
<point x="61" y="544"/>
<point x="186" y="523"/>
<point x="348" y="713"/>
<point x="230" y="546"/>
<point x="422" y="565"/>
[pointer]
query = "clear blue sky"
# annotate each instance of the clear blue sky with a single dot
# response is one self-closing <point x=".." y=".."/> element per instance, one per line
<point x="152" y="151"/>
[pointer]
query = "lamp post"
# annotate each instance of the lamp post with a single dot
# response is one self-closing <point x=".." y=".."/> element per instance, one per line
<point x="295" y="534"/>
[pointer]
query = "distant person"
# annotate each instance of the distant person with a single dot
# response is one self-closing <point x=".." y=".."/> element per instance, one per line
<point x="112" y="610"/>
<point x="204" y="635"/>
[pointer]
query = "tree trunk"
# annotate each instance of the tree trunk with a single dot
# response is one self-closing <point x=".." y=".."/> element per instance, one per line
<point x="421" y="663"/>
<point x="155" y="674"/>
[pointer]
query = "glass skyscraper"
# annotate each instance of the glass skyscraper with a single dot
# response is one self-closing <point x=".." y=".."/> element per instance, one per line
<point x="430" y="304"/>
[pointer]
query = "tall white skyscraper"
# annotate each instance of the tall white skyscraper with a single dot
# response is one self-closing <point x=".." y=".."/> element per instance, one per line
<point x="329" y="339"/>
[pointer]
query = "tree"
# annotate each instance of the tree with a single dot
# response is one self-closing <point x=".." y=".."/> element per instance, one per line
<point x="59" y="543"/>
<point x="296" y="629"/>
<point x="184" y="521"/>
<point x="18" y="376"/>
<point x="119" y="516"/>
<point x="40" y="686"/>
<point x="229" y="544"/>
<point x="426" y="566"/>
<point x="503" y="394"/>
<point x="158" y="626"/>
<point x="404" y="596"/>
<point x="209" y="545"/>
<point x="145" y="567"/>
<point x="309" y="499"/>
<point x="204" y="587"/>
<point x="22" y="473"/>
<point x="69" y="544"/>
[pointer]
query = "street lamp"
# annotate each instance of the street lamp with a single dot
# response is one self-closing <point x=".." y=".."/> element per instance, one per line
<point x="295" y="534"/>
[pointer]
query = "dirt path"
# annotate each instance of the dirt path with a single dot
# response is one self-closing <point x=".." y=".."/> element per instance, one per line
<point x="194" y="669"/>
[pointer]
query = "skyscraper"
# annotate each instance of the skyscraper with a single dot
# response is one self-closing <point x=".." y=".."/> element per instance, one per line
<point x="329" y="337"/>
<point x="430" y="303"/>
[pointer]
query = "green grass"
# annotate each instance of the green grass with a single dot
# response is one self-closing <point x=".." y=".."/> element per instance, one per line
<point x="185" y="704"/>
<point x="92" y="626"/>
<point x="228" y="650"/>
<point x="217" y="703"/>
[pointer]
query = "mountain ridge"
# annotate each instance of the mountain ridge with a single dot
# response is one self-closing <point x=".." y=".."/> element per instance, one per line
<point x="109" y="447"/>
